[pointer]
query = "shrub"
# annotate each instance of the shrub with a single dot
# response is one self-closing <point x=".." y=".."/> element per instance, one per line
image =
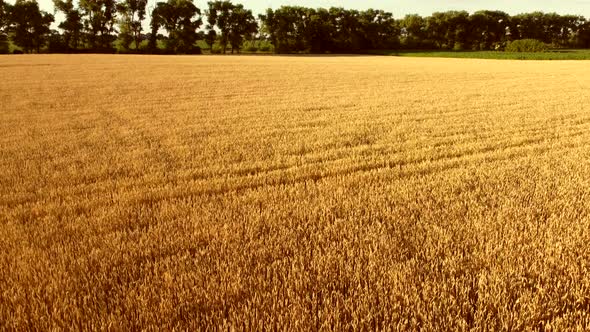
<point x="458" y="47"/>
<point x="215" y="50"/>
<point x="526" y="45"/>
<point x="265" y="48"/>
<point x="252" y="49"/>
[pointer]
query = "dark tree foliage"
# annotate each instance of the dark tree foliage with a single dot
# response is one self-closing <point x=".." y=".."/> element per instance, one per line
<point x="563" y="31"/>
<point x="72" y="26"/>
<point x="234" y="22"/>
<point x="132" y="13"/>
<point x="4" y="18"/>
<point x="99" y="18"/>
<point x="489" y="30"/>
<point x="4" y="22"/>
<point x="210" y="38"/>
<point x="177" y="17"/>
<point x="582" y="37"/>
<point x="29" y="25"/>
<point x="413" y="33"/>
<point x="294" y="29"/>
<point x="300" y="29"/>
<point x="285" y="28"/>
<point x="380" y="29"/>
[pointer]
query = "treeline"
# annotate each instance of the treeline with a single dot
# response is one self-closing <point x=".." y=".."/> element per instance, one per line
<point x="298" y="29"/>
<point x="489" y="30"/>
<point x="176" y="26"/>
<point x="97" y="25"/>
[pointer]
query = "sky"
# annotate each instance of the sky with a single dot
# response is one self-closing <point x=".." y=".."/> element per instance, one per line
<point x="399" y="8"/>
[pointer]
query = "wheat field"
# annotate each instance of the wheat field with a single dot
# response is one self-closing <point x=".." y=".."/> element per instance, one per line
<point x="293" y="193"/>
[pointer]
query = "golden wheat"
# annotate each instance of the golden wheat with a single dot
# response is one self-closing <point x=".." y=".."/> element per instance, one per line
<point x="293" y="193"/>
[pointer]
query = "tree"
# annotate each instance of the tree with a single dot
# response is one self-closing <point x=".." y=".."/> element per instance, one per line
<point x="346" y="33"/>
<point x="242" y="25"/>
<point x="566" y="29"/>
<point x="413" y="31"/>
<point x="132" y="14"/>
<point x="4" y="10"/>
<point x="299" y="29"/>
<point x="4" y="19"/>
<point x="531" y="26"/>
<point x="458" y="34"/>
<point x="286" y="28"/>
<point x="218" y="14"/>
<point x="72" y="25"/>
<point x="99" y="22"/>
<point x="583" y="35"/>
<point x="233" y="21"/>
<point x="489" y="29"/>
<point x="29" y="25"/>
<point x="318" y="32"/>
<point x="210" y="38"/>
<point x="177" y="18"/>
<point x="448" y="30"/>
<point x="380" y="29"/>
<point x="269" y="28"/>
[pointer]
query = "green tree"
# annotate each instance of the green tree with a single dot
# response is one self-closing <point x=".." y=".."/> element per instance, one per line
<point x="242" y="25"/>
<point x="132" y="14"/>
<point x="218" y="15"/>
<point x="177" y="17"/>
<point x="99" y="18"/>
<point x="346" y="33"/>
<point x="234" y="22"/>
<point x="448" y="30"/>
<point x="566" y="29"/>
<point x="285" y="27"/>
<point x="489" y="29"/>
<point x="437" y="27"/>
<point x="583" y="35"/>
<point x="413" y="31"/>
<point x="72" y="25"/>
<point x="268" y="28"/>
<point x="29" y="25"/>
<point x="380" y="29"/>
<point x="4" y="10"/>
<point x="4" y="23"/>
<point x="297" y="29"/>
<point x="531" y="26"/>
<point x="318" y="34"/>
<point x="4" y="19"/>
<point x="210" y="38"/>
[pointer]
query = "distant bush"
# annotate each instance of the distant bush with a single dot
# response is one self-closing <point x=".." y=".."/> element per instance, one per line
<point x="458" y="47"/>
<point x="252" y="49"/>
<point x="526" y="45"/>
<point x="215" y="50"/>
<point x="264" y="48"/>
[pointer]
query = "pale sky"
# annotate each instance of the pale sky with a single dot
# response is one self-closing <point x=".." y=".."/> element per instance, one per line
<point x="401" y="7"/>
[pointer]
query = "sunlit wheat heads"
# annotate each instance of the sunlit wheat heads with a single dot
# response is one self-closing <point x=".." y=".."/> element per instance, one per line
<point x="293" y="193"/>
